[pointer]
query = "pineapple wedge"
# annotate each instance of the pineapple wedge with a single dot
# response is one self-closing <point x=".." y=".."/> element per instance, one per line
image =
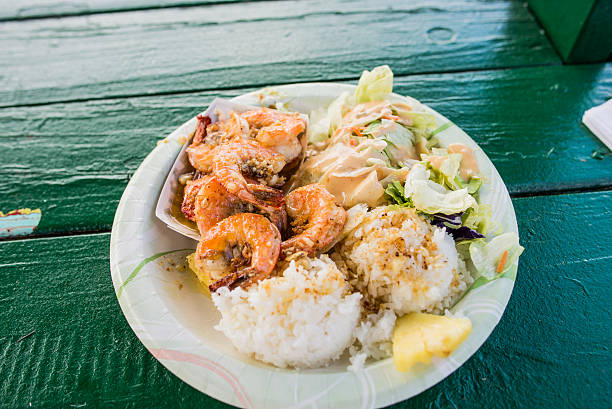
<point x="203" y="276"/>
<point x="418" y="336"/>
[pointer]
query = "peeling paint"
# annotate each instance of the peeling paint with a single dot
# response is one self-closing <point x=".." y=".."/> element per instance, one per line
<point x="19" y="222"/>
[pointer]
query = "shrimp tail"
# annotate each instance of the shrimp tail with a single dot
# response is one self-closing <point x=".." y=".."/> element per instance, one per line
<point x="200" y="131"/>
<point x="240" y="278"/>
<point x="272" y="202"/>
<point x="266" y="195"/>
<point x="231" y="280"/>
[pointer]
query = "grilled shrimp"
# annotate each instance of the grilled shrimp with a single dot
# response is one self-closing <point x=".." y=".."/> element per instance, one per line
<point x="207" y="202"/>
<point x="316" y="220"/>
<point x="234" y="159"/>
<point x="201" y="156"/>
<point x="213" y="203"/>
<point x="189" y="197"/>
<point x="238" y="251"/>
<point x="277" y="130"/>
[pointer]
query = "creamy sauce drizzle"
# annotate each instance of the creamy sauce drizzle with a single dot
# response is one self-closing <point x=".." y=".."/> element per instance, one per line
<point x="469" y="165"/>
<point x="436" y="161"/>
<point x="365" y="113"/>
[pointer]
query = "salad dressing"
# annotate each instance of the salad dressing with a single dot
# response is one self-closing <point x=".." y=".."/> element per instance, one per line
<point x="367" y="112"/>
<point x="436" y="161"/>
<point x="404" y="111"/>
<point x="469" y="165"/>
<point x="384" y="128"/>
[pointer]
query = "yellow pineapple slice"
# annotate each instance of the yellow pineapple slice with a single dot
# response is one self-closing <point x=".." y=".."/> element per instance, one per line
<point x="419" y="336"/>
<point x="203" y="276"/>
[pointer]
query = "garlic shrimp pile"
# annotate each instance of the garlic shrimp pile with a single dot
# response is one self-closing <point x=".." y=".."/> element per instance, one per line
<point x="234" y="196"/>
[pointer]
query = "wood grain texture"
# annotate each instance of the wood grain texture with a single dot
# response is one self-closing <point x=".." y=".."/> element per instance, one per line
<point x="257" y="44"/>
<point x="551" y="348"/>
<point x="73" y="160"/>
<point x="28" y="9"/>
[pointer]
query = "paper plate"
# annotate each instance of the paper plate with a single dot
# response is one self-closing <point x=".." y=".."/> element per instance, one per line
<point x="170" y="314"/>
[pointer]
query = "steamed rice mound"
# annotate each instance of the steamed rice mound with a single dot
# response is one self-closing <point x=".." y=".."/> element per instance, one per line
<point x="305" y="317"/>
<point x="399" y="261"/>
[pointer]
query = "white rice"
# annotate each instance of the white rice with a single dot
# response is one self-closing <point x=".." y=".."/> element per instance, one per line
<point x="372" y="338"/>
<point x="303" y="318"/>
<point x="398" y="261"/>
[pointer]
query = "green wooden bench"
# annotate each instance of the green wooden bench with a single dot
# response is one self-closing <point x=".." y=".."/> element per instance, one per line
<point x="87" y="90"/>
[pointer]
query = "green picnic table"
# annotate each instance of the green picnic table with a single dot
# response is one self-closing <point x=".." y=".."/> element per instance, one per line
<point x="88" y="88"/>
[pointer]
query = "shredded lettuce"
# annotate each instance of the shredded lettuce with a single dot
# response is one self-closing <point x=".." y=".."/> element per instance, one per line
<point x="444" y="169"/>
<point x="478" y="218"/>
<point x="489" y="259"/>
<point x="423" y="121"/>
<point x="318" y="126"/>
<point x="472" y="186"/>
<point x="399" y="136"/>
<point x="374" y="85"/>
<point x="400" y="144"/>
<point x="337" y="109"/>
<point x="431" y="197"/>
<point x="371" y="128"/>
<point x="399" y="140"/>
<point x="395" y="191"/>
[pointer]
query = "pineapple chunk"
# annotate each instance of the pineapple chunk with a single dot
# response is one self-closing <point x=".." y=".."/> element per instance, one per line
<point x="418" y="336"/>
<point x="203" y="276"/>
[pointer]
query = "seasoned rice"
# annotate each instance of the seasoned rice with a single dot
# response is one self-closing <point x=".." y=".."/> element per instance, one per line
<point x="399" y="261"/>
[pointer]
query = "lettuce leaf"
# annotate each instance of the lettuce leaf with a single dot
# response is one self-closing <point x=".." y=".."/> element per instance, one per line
<point x="423" y="121"/>
<point x="395" y="191"/>
<point x="431" y="197"/>
<point x="488" y="258"/>
<point x="374" y="85"/>
<point x="478" y="218"/>
<point x="444" y="169"/>
<point x="318" y="126"/>
<point x="337" y="109"/>
<point x="472" y="186"/>
<point x="400" y="144"/>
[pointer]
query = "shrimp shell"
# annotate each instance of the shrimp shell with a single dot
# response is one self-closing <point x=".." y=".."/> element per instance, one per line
<point x="253" y="236"/>
<point x="279" y="131"/>
<point x="316" y="219"/>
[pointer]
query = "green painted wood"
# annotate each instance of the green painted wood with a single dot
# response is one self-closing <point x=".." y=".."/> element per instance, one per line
<point x="551" y="348"/>
<point x="580" y="30"/>
<point x="28" y="9"/>
<point x="74" y="160"/>
<point x="257" y="44"/>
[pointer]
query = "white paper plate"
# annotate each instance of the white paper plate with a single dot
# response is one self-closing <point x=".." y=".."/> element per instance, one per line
<point x="170" y="314"/>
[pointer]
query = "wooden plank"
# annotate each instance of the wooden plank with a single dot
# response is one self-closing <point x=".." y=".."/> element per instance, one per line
<point x="83" y="352"/>
<point x="28" y="9"/>
<point x="74" y="160"/>
<point x="257" y="44"/>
